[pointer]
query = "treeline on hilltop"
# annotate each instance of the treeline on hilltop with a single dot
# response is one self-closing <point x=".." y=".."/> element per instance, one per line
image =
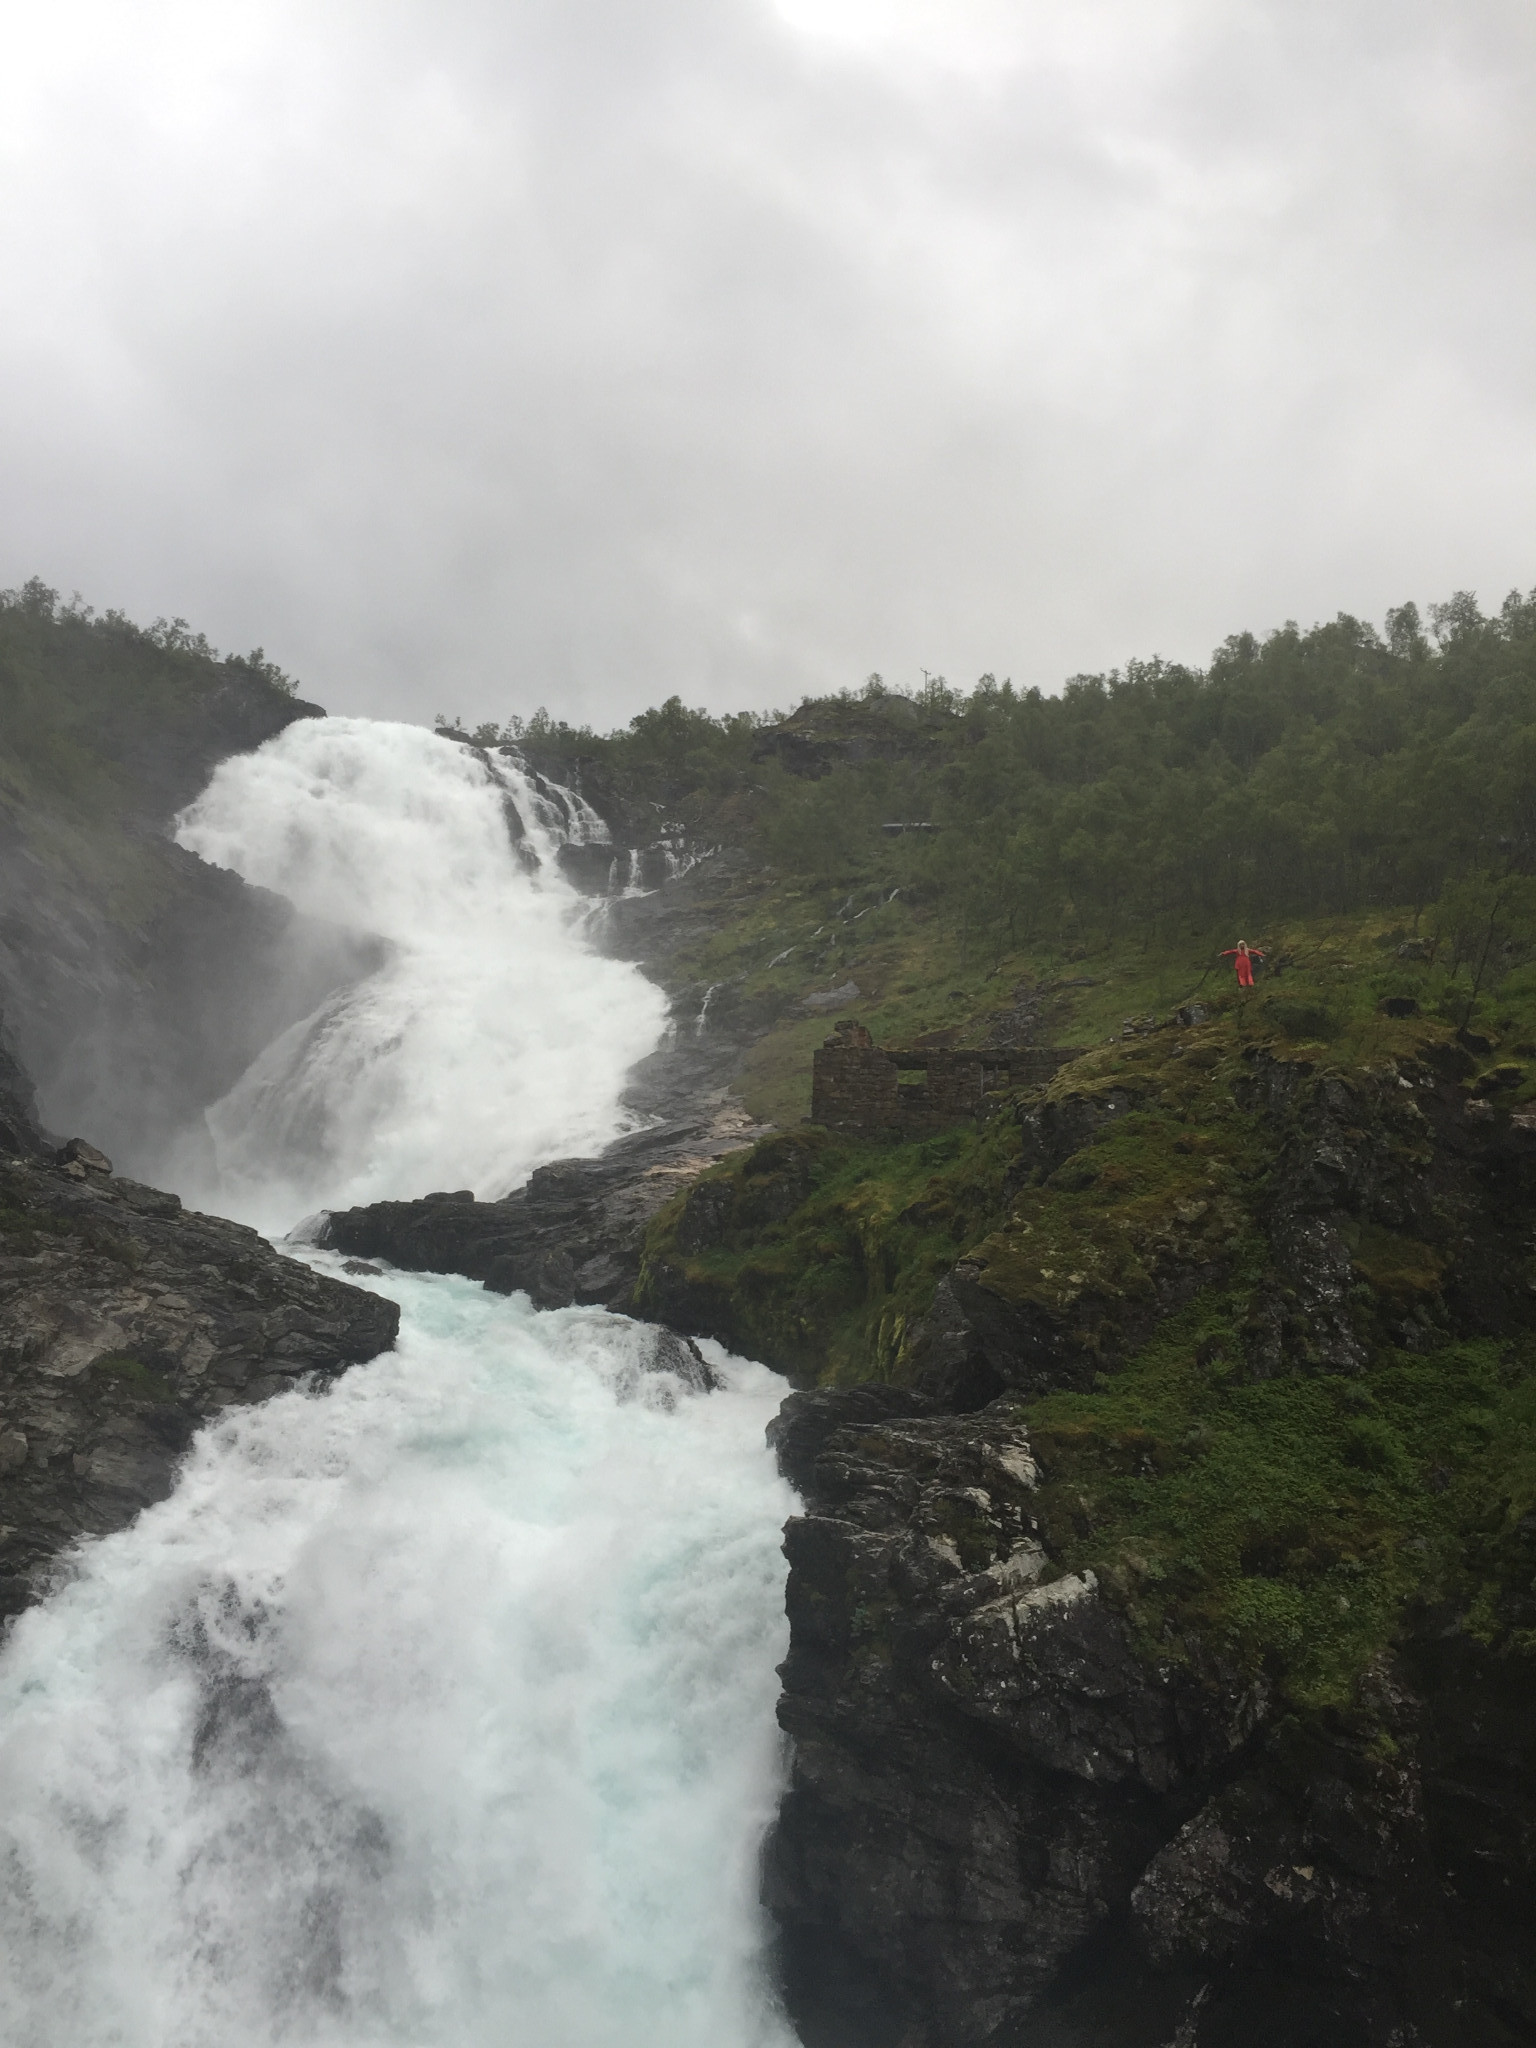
<point x="80" y="691"/>
<point x="1306" y="773"/>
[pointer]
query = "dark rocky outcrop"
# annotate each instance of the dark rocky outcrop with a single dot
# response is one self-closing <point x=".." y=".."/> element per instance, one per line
<point x="1005" y="1826"/>
<point x="1012" y="1819"/>
<point x="1441" y="1184"/>
<point x="848" y="732"/>
<point x="978" y="1760"/>
<point x="125" y="1323"/>
<point x="572" y="1233"/>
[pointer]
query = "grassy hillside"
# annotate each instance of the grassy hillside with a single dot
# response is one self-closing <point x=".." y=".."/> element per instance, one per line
<point x="103" y="719"/>
<point x="1260" y="1274"/>
<point x="1319" y="1000"/>
<point x="108" y="727"/>
<point x="1120" y="834"/>
<point x="1262" y="1443"/>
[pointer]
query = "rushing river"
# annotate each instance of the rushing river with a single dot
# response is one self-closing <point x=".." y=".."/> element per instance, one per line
<point x="436" y="1708"/>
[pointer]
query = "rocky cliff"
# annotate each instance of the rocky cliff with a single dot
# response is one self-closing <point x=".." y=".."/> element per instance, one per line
<point x="1007" y="1823"/>
<point x="125" y="1323"/>
<point x="135" y="985"/>
<point x="136" y="982"/>
<point x="1161" y="1661"/>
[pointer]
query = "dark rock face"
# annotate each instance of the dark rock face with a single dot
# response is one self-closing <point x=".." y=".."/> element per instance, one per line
<point x="977" y="1758"/>
<point x="130" y="1032"/>
<point x="1007" y="1823"/>
<point x="572" y="1234"/>
<point x="1411" y="1155"/>
<point x="1005" y="1827"/>
<point x="19" y="1131"/>
<point x="130" y="1020"/>
<point x="125" y="1323"/>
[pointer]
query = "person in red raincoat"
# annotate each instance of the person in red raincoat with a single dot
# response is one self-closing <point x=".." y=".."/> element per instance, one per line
<point x="1242" y="956"/>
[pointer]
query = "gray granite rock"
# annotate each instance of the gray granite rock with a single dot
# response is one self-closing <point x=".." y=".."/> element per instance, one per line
<point x="126" y="1322"/>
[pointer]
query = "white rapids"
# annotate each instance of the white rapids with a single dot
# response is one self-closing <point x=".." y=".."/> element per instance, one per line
<point x="434" y="1710"/>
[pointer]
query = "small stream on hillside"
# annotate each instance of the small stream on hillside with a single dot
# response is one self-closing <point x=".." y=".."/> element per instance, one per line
<point x="436" y="1708"/>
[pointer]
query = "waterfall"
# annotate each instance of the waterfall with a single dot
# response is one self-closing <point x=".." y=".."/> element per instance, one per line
<point x="564" y="813"/>
<point x="435" y="1709"/>
<point x="491" y="1039"/>
<point x="702" y="1020"/>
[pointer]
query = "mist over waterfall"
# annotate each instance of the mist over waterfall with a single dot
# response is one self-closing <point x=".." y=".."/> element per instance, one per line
<point x="492" y="1039"/>
<point x="433" y="1709"/>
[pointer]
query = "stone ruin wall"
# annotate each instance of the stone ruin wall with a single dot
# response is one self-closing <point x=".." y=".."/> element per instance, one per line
<point x="859" y="1086"/>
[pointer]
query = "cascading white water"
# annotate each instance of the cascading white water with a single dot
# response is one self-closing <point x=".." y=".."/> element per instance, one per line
<point x="434" y="1710"/>
<point x="491" y="1040"/>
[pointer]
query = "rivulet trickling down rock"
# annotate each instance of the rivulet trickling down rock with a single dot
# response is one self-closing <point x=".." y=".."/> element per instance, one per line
<point x="125" y="1323"/>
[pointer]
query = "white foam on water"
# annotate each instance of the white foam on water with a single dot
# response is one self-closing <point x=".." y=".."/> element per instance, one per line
<point x="437" y="1709"/>
<point x="493" y="1038"/>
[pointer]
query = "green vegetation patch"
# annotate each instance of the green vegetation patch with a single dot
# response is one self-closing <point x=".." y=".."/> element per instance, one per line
<point x="1292" y="1523"/>
<point x="1144" y="1191"/>
<point x="818" y="1252"/>
<point x="120" y="1370"/>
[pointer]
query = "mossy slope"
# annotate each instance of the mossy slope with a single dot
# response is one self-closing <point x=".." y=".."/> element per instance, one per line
<point x="1256" y="1275"/>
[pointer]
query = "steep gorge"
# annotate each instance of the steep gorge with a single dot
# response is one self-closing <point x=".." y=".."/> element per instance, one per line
<point x="1160" y="1607"/>
<point x="431" y="1701"/>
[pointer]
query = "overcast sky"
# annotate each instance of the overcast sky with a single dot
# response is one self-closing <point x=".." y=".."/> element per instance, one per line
<point x="472" y="354"/>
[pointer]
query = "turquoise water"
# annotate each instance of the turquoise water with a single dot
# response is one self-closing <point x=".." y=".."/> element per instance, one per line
<point x="435" y="1709"/>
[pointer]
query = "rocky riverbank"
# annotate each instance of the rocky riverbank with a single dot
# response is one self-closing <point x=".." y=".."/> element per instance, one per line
<point x="1160" y="1662"/>
<point x="1007" y="1823"/>
<point x="126" y="1322"/>
<point x="575" y="1232"/>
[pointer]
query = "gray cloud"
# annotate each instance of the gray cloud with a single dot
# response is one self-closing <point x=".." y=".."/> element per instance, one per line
<point x="505" y="352"/>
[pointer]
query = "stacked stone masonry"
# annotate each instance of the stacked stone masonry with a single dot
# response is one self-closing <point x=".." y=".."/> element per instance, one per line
<point x="859" y="1086"/>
